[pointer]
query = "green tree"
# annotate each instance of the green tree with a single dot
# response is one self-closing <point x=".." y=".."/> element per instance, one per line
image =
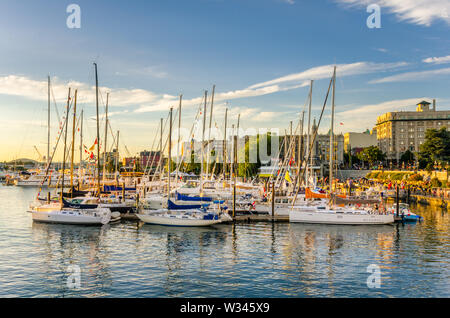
<point x="247" y="168"/>
<point x="371" y="155"/>
<point x="407" y="157"/>
<point x="436" y="148"/>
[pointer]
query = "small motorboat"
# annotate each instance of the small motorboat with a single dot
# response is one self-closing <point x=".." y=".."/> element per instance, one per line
<point x="405" y="213"/>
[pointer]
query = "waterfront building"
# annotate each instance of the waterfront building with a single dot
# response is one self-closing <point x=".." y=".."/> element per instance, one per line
<point x="400" y="131"/>
<point x="129" y="162"/>
<point x="147" y="158"/>
<point x="354" y="141"/>
<point x="112" y="156"/>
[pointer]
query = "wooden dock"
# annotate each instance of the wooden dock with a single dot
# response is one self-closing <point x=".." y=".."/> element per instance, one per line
<point x="238" y="218"/>
<point x="261" y="218"/>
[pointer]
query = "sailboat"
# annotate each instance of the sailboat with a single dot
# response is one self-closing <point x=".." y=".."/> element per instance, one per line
<point x="330" y="213"/>
<point x="61" y="212"/>
<point x="175" y="215"/>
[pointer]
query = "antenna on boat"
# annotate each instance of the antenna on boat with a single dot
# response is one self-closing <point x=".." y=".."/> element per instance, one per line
<point x="64" y="151"/>
<point x="169" y="161"/>
<point x="332" y="135"/>
<point x="209" y="132"/>
<point x="203" y="144"/>
<point x="48" y="124"/>
<point x="106" y="137"/>
<point x="73" y="142"/>
<point x="179" y="136"/>
<point x="98" y="131"/>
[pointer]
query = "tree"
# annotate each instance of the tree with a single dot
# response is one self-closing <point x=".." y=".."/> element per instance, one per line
<point x="407" y="157"/>
<point x="247" y="168"/>
<point x="436" y="148"/>
<point x="371" y="155"/>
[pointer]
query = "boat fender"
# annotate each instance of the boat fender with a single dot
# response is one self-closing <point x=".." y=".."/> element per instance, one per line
<point x="115" y="215"/>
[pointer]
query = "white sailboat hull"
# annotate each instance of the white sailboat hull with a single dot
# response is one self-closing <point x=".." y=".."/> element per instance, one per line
<point x="161" y="220"/>
<point x="339" y="218"/>
<point x="72" y="217"/>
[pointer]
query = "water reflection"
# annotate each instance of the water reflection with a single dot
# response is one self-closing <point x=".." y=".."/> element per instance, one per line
<point x="64" y="245"/>
<point x="237" y="260"/>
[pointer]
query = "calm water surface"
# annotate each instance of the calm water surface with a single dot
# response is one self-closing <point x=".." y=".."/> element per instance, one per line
<point x="245" y="260"/>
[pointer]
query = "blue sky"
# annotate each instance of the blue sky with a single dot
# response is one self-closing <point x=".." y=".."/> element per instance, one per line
<point x="259" y="53"/>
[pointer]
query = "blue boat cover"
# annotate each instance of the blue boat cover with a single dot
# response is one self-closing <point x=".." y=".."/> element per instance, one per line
<point x="111" y="188"/>
<point x="78" y="206"/>
<point x="182" y="197"/>
<point x="173" y="206"/>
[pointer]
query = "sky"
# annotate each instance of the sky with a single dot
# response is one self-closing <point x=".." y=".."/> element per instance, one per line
<point x="260" y="54"/>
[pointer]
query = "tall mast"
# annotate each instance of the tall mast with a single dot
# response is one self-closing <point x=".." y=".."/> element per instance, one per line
<point x="98" y="132"/>
<point x="106" y="137"/>
<point x="332" y="134"/>
<point x="203" y="144"/>
<point x="300" y="148"/>
<point x="308" y="138"/>
<point x="311" y="163"/>
<point x="232" y="154"/>
<point x="73" y="141"/>
<point x="161" y="161"/>
<point x="65" y="143"/>
<point x="224" y="164"/>
<point x="48" y="123"/>
<point x="235" y="146"/>
<point x="208" y="154"/>
<point x="117" y="155"/>
<point x="81" y="147"/>
<point x="179" y="136"/>
<point x="169" y="161"/>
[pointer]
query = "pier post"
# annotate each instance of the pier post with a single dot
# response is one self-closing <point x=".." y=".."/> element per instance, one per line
<point x="397" y="199"/>
<point x="123" y="192"/>
<point x="408" y="193"/>
<point x="234" y="199"/>
<point x="273" y="199"/>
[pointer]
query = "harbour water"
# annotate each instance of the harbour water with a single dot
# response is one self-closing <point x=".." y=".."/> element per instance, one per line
<point x="242" y="260"/>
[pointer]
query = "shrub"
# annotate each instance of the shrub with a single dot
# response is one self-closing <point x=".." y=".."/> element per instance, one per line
<point x="435" y="183"/>
<point x="416" y="177"/>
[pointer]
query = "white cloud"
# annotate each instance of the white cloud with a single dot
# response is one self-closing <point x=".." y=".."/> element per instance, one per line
<point x="37" y="90"/>
<point x="412" y="76"/>
<point x="437" y="60"/>
<point x="326" y="71"/>
<point x="421" y="12"/>
<point x="148" y="101"/>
